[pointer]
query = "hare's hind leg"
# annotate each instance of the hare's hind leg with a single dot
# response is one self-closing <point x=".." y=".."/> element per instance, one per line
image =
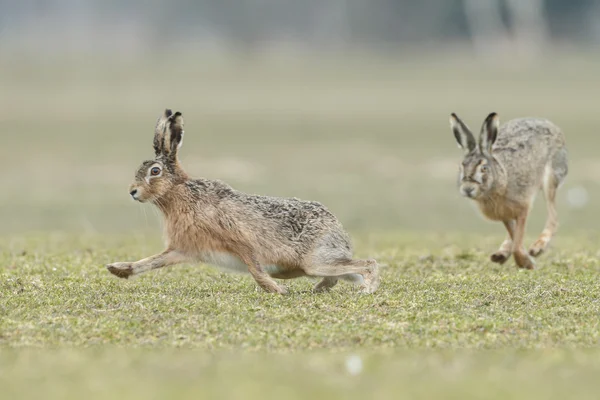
<point x="367" y="268"/>
<point x="506" y="247"/>
<point x="550" y="186"/>
<point x="262" y="278"/>
<point x="127" y="269"/>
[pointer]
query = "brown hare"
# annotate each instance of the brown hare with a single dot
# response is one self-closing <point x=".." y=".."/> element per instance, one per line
<point x="505" y="171"/>
<point x="208" y="221"/>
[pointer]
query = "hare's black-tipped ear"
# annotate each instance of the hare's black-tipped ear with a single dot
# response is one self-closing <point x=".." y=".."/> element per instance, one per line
<point x="159" y="132"/>
<point x="489" y="133"/>
<point x="174" y="135"/>
<point x="462" y="133"/>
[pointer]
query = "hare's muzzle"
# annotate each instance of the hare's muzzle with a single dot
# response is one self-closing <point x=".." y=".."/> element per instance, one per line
<point x="469" y="190"/>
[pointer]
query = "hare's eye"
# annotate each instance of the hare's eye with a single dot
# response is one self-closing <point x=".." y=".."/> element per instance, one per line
<point x="484" y="169"/>
<point x="155" y="171"/>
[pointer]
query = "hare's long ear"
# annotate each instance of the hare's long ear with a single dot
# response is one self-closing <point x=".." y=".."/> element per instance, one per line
<point x="173" y="136"/>
<point x="462" y="133"/>
<point x="159" y="132"/>
<point x="489" y="133"/>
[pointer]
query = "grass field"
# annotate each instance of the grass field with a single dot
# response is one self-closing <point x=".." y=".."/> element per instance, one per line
<point x="445" y="322"/>
<point x="370" y="139"/>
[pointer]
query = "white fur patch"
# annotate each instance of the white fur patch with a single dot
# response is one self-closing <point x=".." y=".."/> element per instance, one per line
<point x="478" y="176"/>
<point x="546" y="179"/>
<point x="271" y="269"/>
<point x="223" y="260"/>
<point x="231" y="263"/>
<point x="354" y="278"/>
<point x="149" y="174"/>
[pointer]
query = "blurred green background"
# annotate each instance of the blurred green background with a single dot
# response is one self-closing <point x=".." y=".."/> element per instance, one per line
<point x="366" y="134"/>
<point x="341" y="101"/>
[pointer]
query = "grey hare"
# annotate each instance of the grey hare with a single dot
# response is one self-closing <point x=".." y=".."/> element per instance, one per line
<point x="504" y="172"/>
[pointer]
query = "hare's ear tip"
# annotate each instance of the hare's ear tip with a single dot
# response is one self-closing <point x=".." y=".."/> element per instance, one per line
<point x="168" y="112"/>
<point x="494" y="119"/>
<point x="453" y="119"/>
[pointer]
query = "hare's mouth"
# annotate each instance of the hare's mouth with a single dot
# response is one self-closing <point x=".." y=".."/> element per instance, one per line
<point x="470" y="192"/>
<point x="137" y="195"/>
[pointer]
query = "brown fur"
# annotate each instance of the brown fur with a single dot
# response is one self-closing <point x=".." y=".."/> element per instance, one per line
<point x="208" y="221"/>
<point x="505" y="171"/>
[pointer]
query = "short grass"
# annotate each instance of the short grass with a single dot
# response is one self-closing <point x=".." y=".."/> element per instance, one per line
<point x="445" y="322"/>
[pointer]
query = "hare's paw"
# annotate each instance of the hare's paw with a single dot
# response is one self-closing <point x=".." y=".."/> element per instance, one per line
<point x="538" y="247"/>
<point x="121" y="269"/>
<point x="370" y="287"/>
<point x="371" y="278"/>
<point x="283" y="290"/>
<point x="274" y="288"/>
<point x="500" y="257"/>
<point x="524" y="261"/>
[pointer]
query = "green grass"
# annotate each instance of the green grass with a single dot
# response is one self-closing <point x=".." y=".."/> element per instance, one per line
<point x="437" y="292"/>
<point x="445" y="322"/>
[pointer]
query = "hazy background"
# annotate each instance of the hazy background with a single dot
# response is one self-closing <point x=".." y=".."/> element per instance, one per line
<point x="341" y="101"/>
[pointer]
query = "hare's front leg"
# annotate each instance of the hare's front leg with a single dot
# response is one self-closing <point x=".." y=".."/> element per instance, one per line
<point x="506" y="248"/>
<point x="126" y="269"/>
<point x="522" y="259"/>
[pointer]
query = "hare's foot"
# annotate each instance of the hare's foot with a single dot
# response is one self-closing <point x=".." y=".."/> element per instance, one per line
<point x="126" y="269"/>
<point x="500" y="257"/>
<point x="121" y="269"/>
<point x="370" y="277"/>
<point x="523" y="260"/>
<point x="540" y="245"/>
<point x="326" y="283"/>
<point x="505" y="250"/>
<point x="278" y="289"/>
<point x="270" y="286"/>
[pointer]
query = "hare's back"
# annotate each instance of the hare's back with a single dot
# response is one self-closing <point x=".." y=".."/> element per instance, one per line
<point x="295" y="213"/>
<point x="528" y="144"/>
<point x="250" y="207"/>
<point x="296" y="224"/>
<point x="528" y="132"/>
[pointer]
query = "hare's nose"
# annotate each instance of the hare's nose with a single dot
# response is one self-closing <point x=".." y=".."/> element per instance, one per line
<point x="469" y="191"/>
<point x="133" y="193"/>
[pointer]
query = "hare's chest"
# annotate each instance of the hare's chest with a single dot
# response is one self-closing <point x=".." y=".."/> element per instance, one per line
<point x="230" y="262"/>
<point x="499" y="210"/>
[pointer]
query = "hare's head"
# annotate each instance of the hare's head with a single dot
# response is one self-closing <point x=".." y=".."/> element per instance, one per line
<point x="479" y="170"/>
<point x="154" y="178"/>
